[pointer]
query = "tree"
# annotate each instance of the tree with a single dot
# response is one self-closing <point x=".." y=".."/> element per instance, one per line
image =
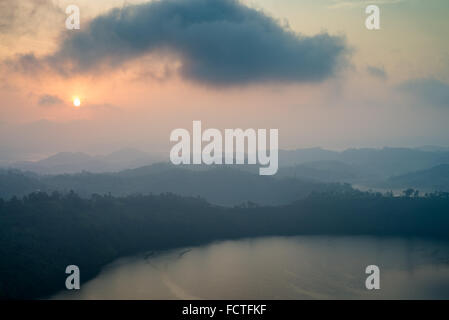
<point x="408" y="192"/>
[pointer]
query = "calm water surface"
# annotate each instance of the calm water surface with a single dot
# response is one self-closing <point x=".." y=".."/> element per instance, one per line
<point x="278" y="268"/>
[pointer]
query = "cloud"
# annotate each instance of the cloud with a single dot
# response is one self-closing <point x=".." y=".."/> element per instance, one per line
<point x="427" y="90"/>
<point x="25" y="16"/>
<point x="25" y="63"/>
<point x="220" y="42"/>
<point x="378" y="72"/>
<point x="49" y="100"/>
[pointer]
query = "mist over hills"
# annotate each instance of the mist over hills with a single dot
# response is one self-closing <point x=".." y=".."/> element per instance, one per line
<point x="98" y="216"/>
<point x="383" y="162"/>
<point x="74" y="162"/>
<point x="435" y="178"/>
<point x="219" y="185"/>
<point x="129" y="171"/>
<point x="325" y="171"/>
<point x="387" y="168"/>
<point x="430" y="148"/>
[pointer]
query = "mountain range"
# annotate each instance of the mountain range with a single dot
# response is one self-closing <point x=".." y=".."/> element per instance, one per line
<point x="424" y="168"/>
<point x="74" y="162"/>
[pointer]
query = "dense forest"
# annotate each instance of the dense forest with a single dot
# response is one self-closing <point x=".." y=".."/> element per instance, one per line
<point x="40" y="234"/>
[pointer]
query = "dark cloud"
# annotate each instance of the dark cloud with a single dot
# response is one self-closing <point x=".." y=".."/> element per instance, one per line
<point x="431" y="91"/>
<point x="25" y="63"/>
<point x="49" y="100"/>
<point x="218" y="42"/>
<point x="377" y="72"/>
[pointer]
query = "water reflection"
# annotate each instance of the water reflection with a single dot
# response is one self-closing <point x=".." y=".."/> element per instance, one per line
<point x="278" y="268"/>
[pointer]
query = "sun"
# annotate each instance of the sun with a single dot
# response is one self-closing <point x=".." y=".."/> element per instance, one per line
<point x="76" y="102"/>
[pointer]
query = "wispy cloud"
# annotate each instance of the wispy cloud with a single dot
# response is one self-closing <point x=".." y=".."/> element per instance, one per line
<point x="428" y="90"/>
<point x="26" y="16"/>
<point x="49" y="100"/>
<point x="378" y="72"/>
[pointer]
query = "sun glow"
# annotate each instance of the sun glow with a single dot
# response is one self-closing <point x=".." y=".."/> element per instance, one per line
<point x="76" y="102"/>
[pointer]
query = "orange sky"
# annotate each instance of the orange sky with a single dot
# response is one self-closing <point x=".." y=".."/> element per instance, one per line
<point x="141" y="101"/>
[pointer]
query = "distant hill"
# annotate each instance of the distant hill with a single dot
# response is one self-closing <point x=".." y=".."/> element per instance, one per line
<point x="130" y="158"/>
<point x="294" y="157"/>
<point x="324" y="171"/>
<point x="64" y="162"/>
<point x="394" y="161"/>
<point x="368" y="163"/>
<point x="218" y="185"/>
<point x="436" y="178"/>
<point x="429" y="148"/>
<point x="366" y="167"/>
<point x="74" y="162"/>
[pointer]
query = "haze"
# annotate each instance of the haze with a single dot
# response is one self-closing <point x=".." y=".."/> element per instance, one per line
<point x="308" y="68"/>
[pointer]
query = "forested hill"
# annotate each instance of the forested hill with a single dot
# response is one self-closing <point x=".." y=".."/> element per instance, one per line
<point x="223" y="186"/>
<point x="41" y="234"/>
<point x="435" y="178"/>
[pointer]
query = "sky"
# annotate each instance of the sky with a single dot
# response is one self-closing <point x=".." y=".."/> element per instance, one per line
<point x="140" y="69"/>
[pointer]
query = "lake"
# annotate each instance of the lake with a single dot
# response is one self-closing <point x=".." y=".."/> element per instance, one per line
<point x="278" y="268"/>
